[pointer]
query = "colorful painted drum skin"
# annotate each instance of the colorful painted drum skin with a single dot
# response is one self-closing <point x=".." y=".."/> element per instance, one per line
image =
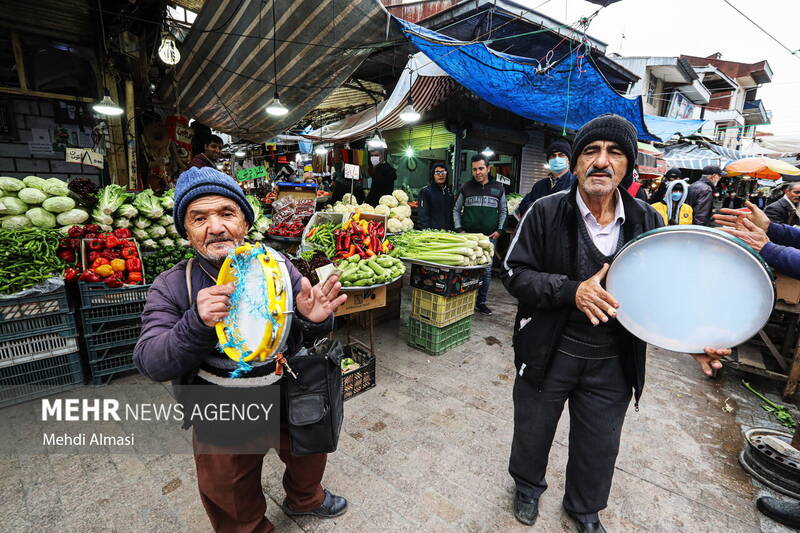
<point x="260" y="316"/>
<point x="684" y="288"/>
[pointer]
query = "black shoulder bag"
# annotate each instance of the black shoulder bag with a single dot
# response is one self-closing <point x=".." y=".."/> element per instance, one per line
<point x="313" y="398"/>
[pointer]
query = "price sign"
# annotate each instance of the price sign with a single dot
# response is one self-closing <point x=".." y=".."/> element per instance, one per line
<point x="351" y="171"/>
<point x="84" y="156"/>
<point x="251" y="173"/>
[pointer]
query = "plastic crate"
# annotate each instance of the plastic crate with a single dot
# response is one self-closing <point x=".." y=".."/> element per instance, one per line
<point x="29" y="306"/>
<point x="37" y="324"/>
<point x="441" y="311"/>
<point x="99" y="295"/>
<point x="111" y="335"/>
<point x="105" y="363"/>
<point x="100" y="315"/>
<point x="435" y="341"/>
<point x="445" y="281"/>
<point x="361" y="379"/>
<point x="39" y="378"/>
<point x="23" y="347"/>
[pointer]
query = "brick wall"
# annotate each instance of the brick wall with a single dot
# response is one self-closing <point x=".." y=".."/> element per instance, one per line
<point x="15" y="155"/>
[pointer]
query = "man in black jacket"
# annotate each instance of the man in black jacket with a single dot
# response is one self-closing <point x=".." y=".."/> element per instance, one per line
<point x="436" y="201"/>
<point x="567" y="343"/>
<point x="560" y="178"/>
<point x="701" y="195"/>
<point x="784" y="211"/>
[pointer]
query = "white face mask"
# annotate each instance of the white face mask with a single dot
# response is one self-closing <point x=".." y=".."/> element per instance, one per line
<point x="374" y="160"/>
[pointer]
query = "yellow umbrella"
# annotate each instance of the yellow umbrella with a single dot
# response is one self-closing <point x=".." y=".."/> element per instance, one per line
<point x="761" y="168"/>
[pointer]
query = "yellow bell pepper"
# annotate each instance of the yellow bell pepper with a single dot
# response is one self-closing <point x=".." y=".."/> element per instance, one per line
<point x="118" y="265"/>
<point x="104" y="270"/>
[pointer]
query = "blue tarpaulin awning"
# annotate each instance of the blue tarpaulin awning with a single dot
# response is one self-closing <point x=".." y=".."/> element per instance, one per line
<point x="566" y="94"/>
<point x="664" y="127"/>
<point x="694" y="156"/>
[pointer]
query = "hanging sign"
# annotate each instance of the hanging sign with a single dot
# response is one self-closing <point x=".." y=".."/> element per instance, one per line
<point x="252" y="173"/>
<point x="84" y="156"/>
<point x="351" y="171"/>
<point x="179" y="131"/>
<point x="502" y="179"/>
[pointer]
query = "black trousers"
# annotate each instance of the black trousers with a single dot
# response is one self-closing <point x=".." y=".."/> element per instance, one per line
<point x="599" y="396"/>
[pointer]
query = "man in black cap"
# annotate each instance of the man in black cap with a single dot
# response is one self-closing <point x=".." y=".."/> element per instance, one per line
<point x="559" y="154"/>
<point x="701" y="195"/>
<point x="568" y="344"/>
<point x="671" y="175"/>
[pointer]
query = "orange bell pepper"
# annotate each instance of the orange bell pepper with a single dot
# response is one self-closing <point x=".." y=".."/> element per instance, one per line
<point x="118" y="265"/>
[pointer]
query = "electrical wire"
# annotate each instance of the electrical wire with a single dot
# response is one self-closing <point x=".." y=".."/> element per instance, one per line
<point x="768" y="34"/>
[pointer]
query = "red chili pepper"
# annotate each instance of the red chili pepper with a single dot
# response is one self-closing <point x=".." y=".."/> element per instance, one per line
<point x="123" y="233"/>
<point x="134" y="264"/>
<point x="71" y="274"/>
<point x="128" y="252"/>
<point x="75" y="232"/>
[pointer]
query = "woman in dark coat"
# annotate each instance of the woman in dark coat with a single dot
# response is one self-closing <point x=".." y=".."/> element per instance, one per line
<point x="436" y="201"/>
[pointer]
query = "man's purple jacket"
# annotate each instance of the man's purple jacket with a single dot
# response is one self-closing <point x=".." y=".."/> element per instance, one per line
<point x="783" y="251"/>
<point x="174" y="341"/>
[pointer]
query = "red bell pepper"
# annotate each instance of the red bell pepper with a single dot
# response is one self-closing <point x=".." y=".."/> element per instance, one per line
<point x="123" y="233"/>
<point x="129" y="243"/>
<point x="109" y="254"/>
<point x="93" y="256"/>
<point x="135" y="277"/>
<point x="112" y="241"/>
<point x="128" y="252"/>
<point x="134" y="264"/>
<point x="89" y="277"/>
<point x="75" y="232"/>
<point x="97" y="244"/>
<point x="100" y="261"/>
<point x="71" y="274"/>
<point x="112" y="282"/>
<point x="68" y="256"/>
<point x="91" y="228"/>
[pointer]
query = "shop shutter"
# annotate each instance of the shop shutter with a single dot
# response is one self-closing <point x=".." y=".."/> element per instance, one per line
<point x="532" y="161"/>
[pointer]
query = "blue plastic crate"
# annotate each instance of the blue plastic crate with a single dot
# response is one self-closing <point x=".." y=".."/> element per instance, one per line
<point x="43" y="377"/>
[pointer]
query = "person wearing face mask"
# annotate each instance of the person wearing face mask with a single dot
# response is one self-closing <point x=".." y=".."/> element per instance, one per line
<point x="178" y="342"/>
<point x="383" y="177"/>
<point x="558" y="155"/>
<point x="675" y="210"/>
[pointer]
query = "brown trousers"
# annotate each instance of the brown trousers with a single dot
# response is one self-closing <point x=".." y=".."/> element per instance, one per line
<point x="231" y="492"/>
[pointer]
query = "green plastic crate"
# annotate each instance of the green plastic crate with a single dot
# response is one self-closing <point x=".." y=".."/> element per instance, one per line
<point x="436" y="341"/>
<point x="43" y="377"/>
<point x="106" y="363"/>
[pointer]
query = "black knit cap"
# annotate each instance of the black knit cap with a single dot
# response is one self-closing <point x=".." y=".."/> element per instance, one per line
<point x="609" y="127"/>
<point x="673" y="173"/>
<point x="559" y="145"/>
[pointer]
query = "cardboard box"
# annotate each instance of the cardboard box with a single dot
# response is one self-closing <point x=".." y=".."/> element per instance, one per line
<point x="85" y="259"/>
<point x="788" y="289"/>
<point x="297" y="190"/>
<point x="363" y="301"/>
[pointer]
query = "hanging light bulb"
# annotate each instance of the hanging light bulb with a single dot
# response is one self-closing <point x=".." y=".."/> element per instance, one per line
<point x="168" y="50"/>
<point x="107" y="106"/>
<point x="488" y="152"/>
<point x="376" y="141"/>
<point x="320" y="150"/>
<point x="276" y="108"/>
<point x="409" y="151"/>
<point x="239" y="153"/>
<point x="409" y="114"/>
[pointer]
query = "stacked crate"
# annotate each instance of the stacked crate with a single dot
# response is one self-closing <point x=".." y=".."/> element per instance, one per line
<point x="38" y="347"/>
<point x="111" y="321"/>
<point x="442" y="305"/>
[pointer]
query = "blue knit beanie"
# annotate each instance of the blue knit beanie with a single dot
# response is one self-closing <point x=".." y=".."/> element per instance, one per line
<point x="197" y="182"/>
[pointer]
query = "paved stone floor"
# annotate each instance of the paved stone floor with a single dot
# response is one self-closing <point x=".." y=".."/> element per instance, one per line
<point x="427" y="450"/>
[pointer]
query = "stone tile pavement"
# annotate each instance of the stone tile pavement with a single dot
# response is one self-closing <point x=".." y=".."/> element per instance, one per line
<point x="426" y="451"/>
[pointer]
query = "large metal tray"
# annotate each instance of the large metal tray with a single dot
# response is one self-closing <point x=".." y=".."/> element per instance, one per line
<point x="368" y="287"/>
<point x="444" y="267"/>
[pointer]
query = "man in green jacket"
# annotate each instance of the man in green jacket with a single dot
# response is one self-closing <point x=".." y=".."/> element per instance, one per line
<point x="481" y="208"/>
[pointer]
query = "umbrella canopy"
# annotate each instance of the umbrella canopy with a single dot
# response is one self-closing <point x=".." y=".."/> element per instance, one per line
<point x="761" y="168"/>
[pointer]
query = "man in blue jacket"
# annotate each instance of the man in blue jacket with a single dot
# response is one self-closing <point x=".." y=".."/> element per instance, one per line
<point x="779" y="245"/>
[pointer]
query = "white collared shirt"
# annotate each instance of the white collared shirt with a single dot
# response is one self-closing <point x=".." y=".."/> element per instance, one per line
<point x="605" y="238"/>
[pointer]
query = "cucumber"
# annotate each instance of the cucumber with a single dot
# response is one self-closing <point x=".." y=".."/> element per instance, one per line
<point x="379" y="270"/>
<point x="355" y="258"/>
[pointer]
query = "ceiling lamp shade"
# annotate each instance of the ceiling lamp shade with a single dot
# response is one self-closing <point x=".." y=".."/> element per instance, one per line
<point x="276" y="108"/>
<point x="107" y="106"/>
<point x="376" y="142"/>
<point x="409" y="114"/>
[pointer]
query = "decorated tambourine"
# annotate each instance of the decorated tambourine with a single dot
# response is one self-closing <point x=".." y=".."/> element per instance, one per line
<point x="684" y="288"/>
<point x="260" y="314"/>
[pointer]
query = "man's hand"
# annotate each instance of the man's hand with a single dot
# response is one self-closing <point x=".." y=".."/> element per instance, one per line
<point x="751" y="234"/>
<point x="318" y="302"/>
<point x="213" y="303"/>
<point x="597" y="304"/>
<point x="710" y="361"/>
<point x="495" y="235"/>
<point x="734" y="218"/>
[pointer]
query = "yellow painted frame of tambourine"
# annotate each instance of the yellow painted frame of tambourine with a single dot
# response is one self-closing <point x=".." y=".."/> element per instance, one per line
<point x="268" y="265"/>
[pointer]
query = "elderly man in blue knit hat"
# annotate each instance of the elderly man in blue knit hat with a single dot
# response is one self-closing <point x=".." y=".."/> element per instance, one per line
<point x="178" y="343"/>
<point x="568" y="345"/>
